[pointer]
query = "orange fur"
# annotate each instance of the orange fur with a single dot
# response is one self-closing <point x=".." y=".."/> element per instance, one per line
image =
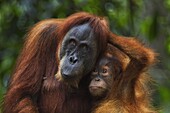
<point x="131" y="94"/>
<point x="33" y="87"/>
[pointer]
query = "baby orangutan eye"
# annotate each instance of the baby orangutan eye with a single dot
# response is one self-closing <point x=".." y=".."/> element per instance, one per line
<point x="95" y="70"/>
<point x="104" y="71"/>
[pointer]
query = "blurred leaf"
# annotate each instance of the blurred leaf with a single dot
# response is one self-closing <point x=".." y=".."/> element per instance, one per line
<point x="164" y="91"/>
<point x="167" y="3"/>
<point x="168" y="45"/>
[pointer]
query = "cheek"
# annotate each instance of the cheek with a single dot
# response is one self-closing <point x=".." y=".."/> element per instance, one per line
<point x="93" y="55"/>
<point x="89" y="62"/>
<point x="63" y="61"/>
<point x="61" y="52"/>
<point x="62" y="48"/>
<point x="109" y="82"/>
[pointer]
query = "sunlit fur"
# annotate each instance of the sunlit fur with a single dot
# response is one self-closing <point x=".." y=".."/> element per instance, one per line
<point x="33" y="87"/>
<point x="131" y="94"/>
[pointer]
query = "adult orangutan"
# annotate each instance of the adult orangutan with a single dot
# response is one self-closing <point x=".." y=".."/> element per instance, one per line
<point x="68" y="47"/>
<point x="119" y="83"/>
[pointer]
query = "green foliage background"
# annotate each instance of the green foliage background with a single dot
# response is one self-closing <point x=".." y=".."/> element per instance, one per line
<point x="149" y="20"/>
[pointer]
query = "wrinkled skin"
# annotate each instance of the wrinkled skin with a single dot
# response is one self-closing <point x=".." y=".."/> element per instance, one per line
<point x="78" y="54"/>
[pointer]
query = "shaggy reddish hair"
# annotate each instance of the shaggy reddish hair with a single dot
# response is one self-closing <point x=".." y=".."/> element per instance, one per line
<point x="131" y="93"/>
<point x="33" y="87"/>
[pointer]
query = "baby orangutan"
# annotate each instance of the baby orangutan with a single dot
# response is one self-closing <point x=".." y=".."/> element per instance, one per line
<point x="119" y="83"/>
<point x="108" y="70"/>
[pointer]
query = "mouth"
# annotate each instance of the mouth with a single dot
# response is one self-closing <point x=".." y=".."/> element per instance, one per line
<point x="72" y="82"/>
<point x="69" y="78"/>
<point x="95" y="87"/>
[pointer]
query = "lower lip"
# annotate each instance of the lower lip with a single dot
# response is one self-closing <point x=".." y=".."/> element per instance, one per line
<point x="94" y="87"/>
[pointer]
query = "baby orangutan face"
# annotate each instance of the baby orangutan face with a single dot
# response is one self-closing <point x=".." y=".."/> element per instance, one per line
<point x="102" y="78"/>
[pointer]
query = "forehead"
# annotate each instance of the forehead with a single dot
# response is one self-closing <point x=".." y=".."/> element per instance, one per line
<point x="106" y="59"/>
<point x="82" y="32"/>
<point x="103" y="61"/>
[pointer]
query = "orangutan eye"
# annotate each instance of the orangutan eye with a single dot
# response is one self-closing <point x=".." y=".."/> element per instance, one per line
<point x="104" y="71"/>
<point x="92" y="76"/>
<point x="85" y="47"/>
<point x="72" y="42"/>
<point x="95" y="70"/>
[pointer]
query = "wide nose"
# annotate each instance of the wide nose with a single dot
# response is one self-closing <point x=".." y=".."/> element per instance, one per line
<point x="73" y="60"/>
<point x="97" y="79"/>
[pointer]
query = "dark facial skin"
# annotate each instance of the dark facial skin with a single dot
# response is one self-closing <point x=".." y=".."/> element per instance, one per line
<point x="78" y="53"/>
<point x="102" y="78"/>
